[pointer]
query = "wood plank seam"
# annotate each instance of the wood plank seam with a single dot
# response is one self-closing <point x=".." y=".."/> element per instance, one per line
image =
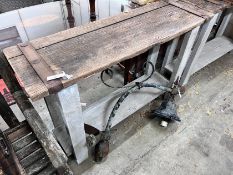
<point x="81" y="30"/>
<point x="42" y="69"/>
<point x="105" y="26"/>
<point x="126" y="47"/>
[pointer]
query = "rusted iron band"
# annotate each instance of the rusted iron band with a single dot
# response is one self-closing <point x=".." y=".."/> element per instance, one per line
<point x="42" y="69"/>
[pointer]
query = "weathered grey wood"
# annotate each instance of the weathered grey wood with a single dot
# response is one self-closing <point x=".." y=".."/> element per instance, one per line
<point x="27" y="150"/>
<point x="198" y="47"/>
<point x="80" y="30"/>
<point x="24" y="141"/>
<point x="224" y="3"/>
<point x="67" y="106"/>
<point x="48" y="171"/>
<point x="36" y="155"/>
<point x="192" y="8"/>
<point x="46" y="138"/>
<point x="184" y="54"/>
<point x="97" y="114"/>
<point x="93" y="51"/>
<point x="213" y="50"/>
<point x="206" y="5"/>
<point x="172" y="45"/>
<point x="18" y="132"/>
<point x="225" y="22"/>
<point x="152" y="57"/>
<point x="37" y="166"/>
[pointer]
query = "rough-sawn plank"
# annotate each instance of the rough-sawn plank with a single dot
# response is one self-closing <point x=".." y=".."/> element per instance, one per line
<point x="98" y="49"/>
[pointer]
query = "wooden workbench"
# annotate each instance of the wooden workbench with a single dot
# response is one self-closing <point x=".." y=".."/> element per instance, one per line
<point x="109" y="41"/>
<point x="88" y="49"/>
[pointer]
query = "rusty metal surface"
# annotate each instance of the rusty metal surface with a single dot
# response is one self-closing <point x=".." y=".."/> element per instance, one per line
<point x="41" y="67"/>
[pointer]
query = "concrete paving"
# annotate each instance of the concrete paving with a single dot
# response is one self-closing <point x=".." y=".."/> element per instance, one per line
<point x="201" y="144"/>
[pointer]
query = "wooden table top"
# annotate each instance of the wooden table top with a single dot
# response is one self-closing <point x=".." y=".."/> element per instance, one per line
<point x="86" y="50"/>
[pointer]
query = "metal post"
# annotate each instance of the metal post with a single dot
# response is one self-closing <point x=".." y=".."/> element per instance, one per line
<point x="198" y="47"/>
